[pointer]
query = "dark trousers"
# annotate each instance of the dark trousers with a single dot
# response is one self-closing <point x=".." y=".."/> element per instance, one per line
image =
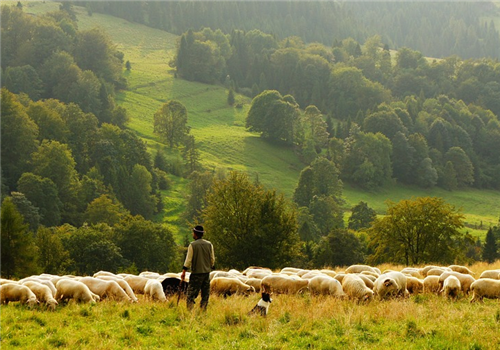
<point x="197" y="282"/>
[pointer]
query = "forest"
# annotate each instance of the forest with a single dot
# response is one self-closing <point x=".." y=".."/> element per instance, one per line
<point x="78" y="184"/>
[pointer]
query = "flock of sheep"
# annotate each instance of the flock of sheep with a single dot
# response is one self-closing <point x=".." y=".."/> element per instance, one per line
<point x="357" y="282"/>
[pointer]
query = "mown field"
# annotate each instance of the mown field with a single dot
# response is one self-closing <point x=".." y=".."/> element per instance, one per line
<point x="423" y="321"/>
<point x="219" y="129"/>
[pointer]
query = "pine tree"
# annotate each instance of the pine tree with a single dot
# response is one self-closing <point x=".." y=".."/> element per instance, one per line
<point x="17" y="248"/>
<point x="230" y="97"/>
<point x="490" y="253"/>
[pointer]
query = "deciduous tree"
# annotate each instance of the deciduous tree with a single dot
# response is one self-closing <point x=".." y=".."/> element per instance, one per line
<point x="417" y="231"/>
<point x="170" y="123"/>
<point x="249" y="225"/>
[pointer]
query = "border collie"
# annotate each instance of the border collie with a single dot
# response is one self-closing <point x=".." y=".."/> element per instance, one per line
<point x="263" y="305"/>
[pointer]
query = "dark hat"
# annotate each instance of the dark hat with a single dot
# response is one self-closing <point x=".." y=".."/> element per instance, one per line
<point x="198" y="230"/>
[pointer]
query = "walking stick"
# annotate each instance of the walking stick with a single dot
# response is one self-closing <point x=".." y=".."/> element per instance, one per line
<point x="179" y="292"/>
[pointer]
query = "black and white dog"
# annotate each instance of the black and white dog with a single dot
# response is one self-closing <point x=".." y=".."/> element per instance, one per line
<point x="263" y="305"/>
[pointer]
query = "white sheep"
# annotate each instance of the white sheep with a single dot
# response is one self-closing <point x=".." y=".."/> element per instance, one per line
<point x="451" y="287"/>
<point x="76" y="290"/>
<point x="340" y="277"/>
<point x="45" y="281"/>
<point x="123" y="284"/>
<point x="105" y="289"/>
<point x="431" y="284"/>
<point x="391" y="284"/>
<point x="485" y="288"/>
<point x="367" y="279"/>
<point x="437" y="271"/>
<point x="17" y="292"/>
<point x="43" y="293"/>
<point x="326" y="285"/>
<point x="279" y="283"/>
<point x="465" y="280"/>
<point x="255" y="283"/>
<point x="412" y="271"/>
<point x="149" y="274"/>
<point x="361" y="268"/>
<point x="328" y="272"/>
<point x="461" y="269"/>
<point x="137" y="283"/>
<point x="354" y="287"/>
<point x="228" y="286"/>
<point x="494" y="274"/>
<point x="424" y="270"/>
<point x="414" y="285"/>
<point x="153" y="290"/>
<point x="311" y="274"/>
<point x="105" y="273"/>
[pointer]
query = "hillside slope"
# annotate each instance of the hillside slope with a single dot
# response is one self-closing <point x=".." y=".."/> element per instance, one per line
<point x="219" y="129"/>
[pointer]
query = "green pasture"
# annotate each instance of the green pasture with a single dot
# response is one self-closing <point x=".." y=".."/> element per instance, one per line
<point x="219" y="130"/>
<point x="294" y="322"/>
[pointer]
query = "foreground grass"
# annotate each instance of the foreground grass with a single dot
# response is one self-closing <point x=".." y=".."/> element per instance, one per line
<point x="294" y="322"/>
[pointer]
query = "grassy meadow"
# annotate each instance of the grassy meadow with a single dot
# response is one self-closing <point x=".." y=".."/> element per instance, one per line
<point x="423" y="321"/>
<point x="219" y="130"/>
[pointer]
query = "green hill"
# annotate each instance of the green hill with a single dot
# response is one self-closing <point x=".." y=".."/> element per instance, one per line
<point x="219" y="128"/>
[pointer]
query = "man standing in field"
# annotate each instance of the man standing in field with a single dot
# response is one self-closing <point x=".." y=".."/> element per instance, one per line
<point x="201" y="259"/>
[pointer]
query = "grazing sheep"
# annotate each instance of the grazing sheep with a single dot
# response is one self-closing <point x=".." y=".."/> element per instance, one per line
<point x="372" y="275"/>
<point x="311" y="274"/>
<point x="5" y="281"/>
<point x="254" y="282"/>
<point x="43" y="281"/>
<point x="485" y="288"/>
<point x="368" y="281"/>
<point x="451" y="287"/>
<point x="391" y="284"/>
<point x="361" y="268"/>
<point x="17" y="292"/>
<point x="494" y="274"/>
<point x="43" y="293"/>
<point x="412" y="271"/>
<point x="122" y="283"/>
<point x="437" y="271"/>
<point x="330" y="273"/>
<point x="326" y="285"/>
<point x="257" y="273"/>
<point x="137" y="283"/>
<point x="105" y="273"/>
<point x="431" y="284"/>
<point x="153" y="290"/>
<point x="76" y="290"/>
<point x="354" y="287"/>
<point x="290" y="270"/>
<point x="465" y="280"/>
<point x="149" y="274"/>
<point x="424" y="270"/>
<point x="105" y="289"/>
<point x="340" y="277"/>
<point x="461" y="269"/>
<point x="414" y="285"/>
<point x="283" y="284"/>
<point x="228" y="286"/>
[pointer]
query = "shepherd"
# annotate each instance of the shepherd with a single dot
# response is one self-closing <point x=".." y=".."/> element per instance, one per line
<point x="200" y="259"/>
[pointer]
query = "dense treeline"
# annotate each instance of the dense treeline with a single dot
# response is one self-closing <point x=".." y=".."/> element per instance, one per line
<point x="437" y="29"/>
<point x="420" y="122"/>
<point x="48" y="57"/>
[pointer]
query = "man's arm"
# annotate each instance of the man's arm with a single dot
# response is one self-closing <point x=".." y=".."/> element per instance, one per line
<point x="212" y="258"/>
<point x="187" y="262"/>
